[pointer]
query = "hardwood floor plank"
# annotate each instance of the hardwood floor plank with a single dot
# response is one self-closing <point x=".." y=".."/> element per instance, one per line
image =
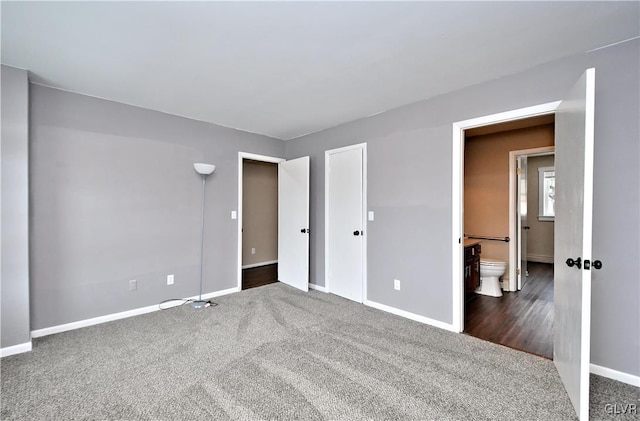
<point x="521" y="320"/>
<point x="259" y="276"/>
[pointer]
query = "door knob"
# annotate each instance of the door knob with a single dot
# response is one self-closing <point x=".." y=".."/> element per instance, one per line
<point x="305" y="231"/>
<point x="597" y="264"/>
<point x="527" y="227"/>
<point x="357" y="232"/>
<point x="577" y="263"/>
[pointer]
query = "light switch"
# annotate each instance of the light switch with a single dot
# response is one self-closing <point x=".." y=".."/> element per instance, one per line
<point x="370" y="216"/>
<point x="234" y="215"/>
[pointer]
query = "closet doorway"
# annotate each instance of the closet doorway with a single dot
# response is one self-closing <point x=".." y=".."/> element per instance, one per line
<point x="259" y="219"/>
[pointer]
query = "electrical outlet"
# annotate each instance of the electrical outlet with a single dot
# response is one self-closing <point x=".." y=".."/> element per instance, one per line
<point x="253" y="250"/>
<point x="169" y="279"/>
<point x="396" y="284"/>
<point x="133" y="285"/>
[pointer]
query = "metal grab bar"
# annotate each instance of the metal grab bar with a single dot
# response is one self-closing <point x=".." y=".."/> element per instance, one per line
<point x="483" y="237"/>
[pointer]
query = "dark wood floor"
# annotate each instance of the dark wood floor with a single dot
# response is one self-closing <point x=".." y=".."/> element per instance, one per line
<point x="259" y="276"/>
<point x="522" y="320"/>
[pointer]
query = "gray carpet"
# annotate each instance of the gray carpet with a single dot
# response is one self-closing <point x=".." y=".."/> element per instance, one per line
<point x="276" y="353"/>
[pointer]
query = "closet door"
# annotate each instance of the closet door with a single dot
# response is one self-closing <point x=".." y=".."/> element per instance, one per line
<point x="345" y="234"/>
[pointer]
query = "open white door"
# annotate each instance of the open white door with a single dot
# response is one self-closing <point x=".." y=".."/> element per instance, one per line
<point x="573" y="217"/>
<point x="293" y="223"/>
<point x="523" y="227"/>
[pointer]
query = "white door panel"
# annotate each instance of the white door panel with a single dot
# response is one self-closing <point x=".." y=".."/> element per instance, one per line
<point x="522" y="190"/>
<point x="293" y="223"/>
<point x="573" y="222"/>
<point x="345" y="230"/>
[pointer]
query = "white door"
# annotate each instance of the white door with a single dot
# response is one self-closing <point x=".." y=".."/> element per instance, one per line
<point x="345" y="224"/>
<point x="522" y="207"/>
<point x="293" y="223"/>
<point x="573" y="215"/>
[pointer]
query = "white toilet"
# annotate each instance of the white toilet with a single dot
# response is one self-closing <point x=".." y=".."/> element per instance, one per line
<point x="490" y="273"/>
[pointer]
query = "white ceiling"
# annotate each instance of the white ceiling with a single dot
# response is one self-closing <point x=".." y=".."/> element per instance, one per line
<point x="285" y="69"/>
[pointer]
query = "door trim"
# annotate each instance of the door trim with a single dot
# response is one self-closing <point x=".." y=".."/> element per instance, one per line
<point x="363" y="147"/>
<point x="513" y="223"/>
<point x="457" y="199"/>
<point x="241" y="157"/>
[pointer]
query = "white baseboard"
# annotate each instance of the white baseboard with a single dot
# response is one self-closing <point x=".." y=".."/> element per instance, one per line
<point x="411" y="316"/>
<point x="539" y="258"/>
<point x="317" y="287"/>
<point x="255" y="265"/>
<point x="615" y="375"/>
<point x="15" y="349"/>
<point x="117" y="316"/>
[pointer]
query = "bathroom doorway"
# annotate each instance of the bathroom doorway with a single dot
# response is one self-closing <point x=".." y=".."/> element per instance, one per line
<point x="531" y="212"/>
<point x="574" y="141"/>
<point x="522" y="316"/>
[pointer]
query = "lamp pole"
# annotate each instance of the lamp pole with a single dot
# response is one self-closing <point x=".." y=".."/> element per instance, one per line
<point x="204" y="170"/>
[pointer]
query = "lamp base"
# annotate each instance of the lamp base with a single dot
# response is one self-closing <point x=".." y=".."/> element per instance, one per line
<point x="199" y="304"/>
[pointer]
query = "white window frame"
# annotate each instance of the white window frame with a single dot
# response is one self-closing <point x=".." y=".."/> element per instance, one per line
<point x="541" y="194"/>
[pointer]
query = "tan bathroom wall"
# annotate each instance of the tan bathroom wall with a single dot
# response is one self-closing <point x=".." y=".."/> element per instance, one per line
<point x="540" y="236"/>
<point x="486" y="183"/>
<point x="259" y="212"/>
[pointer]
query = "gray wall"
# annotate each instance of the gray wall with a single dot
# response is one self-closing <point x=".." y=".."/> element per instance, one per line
<point x="409" y="188"/>
<point x="114" y="197"/>
<point x="14" y="277"/>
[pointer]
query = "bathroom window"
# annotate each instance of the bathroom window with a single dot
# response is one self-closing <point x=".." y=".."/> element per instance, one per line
<point x="546" y="193"/>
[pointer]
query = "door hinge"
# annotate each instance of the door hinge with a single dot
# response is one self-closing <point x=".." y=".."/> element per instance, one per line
<point x="518" y="271"/>
<point x="518" y="171"/>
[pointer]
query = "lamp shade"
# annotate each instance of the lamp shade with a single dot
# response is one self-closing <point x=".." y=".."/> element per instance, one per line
<point x="204" y="169"/>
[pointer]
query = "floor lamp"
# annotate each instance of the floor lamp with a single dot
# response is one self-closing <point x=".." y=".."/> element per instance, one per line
<point x="204" y="170"/>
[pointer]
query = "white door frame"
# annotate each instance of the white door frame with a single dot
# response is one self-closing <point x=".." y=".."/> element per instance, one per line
<point x="363" y="147"/>
<point x="241" y="157"/>
<point x="457" y="199"/>
<point x="513" y="222"/>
